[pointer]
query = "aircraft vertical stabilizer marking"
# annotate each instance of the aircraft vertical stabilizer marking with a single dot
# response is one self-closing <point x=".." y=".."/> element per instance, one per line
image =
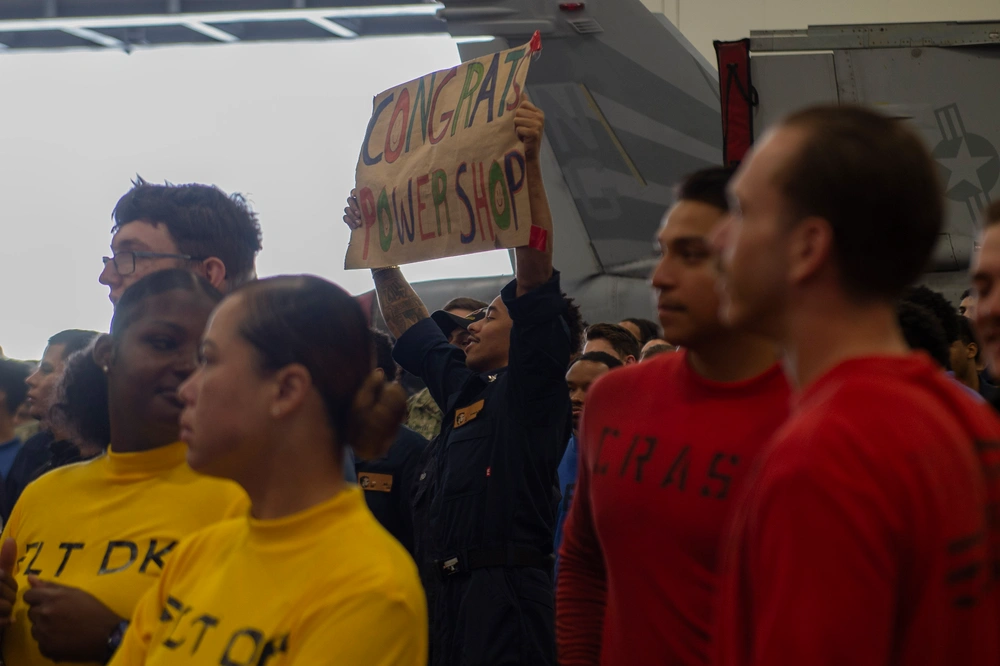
<point x="595" y="107"/>
<point x="913" y="72"/>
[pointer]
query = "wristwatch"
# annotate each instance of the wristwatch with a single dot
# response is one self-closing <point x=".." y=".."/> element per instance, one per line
<point x="115" y="640"/>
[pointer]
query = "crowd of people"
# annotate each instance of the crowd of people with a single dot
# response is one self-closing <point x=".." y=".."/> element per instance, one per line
<point x="798" y="464"/>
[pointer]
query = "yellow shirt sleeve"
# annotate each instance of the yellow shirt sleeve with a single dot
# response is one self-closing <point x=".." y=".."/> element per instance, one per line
<point x="135" y="644"/>
<point x="145" y="619"/>
<point x="371" y="628"/>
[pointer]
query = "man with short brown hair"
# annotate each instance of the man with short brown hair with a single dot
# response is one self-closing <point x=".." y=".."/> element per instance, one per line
<point x="865" y="537"/>
<point x="663" y="450"/>
<point x="612" y="339"/>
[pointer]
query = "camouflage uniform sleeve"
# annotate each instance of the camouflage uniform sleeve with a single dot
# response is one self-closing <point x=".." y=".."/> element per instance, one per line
<point x="424" y="415"/>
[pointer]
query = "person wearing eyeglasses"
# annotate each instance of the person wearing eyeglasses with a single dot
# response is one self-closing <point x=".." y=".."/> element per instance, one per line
<point x="197" y="227"/>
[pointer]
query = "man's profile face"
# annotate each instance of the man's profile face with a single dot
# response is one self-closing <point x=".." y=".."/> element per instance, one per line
<point x="961" y="357"/>
<point x="42" y="382"/>
<point x="986" y="284"/>
<point x="967" y="308"/>
<point x="579" y="378"/>
<point x="489" y="339"/>
<point x="754" y="241"/>
<point x="139" y="236"/>
<point x="684" y="278"/>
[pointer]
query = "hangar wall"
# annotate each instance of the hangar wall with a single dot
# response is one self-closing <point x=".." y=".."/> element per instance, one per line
<point x="701" y="21"/>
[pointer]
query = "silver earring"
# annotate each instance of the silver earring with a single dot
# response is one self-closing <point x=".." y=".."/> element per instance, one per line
<point x="105" y="368"/>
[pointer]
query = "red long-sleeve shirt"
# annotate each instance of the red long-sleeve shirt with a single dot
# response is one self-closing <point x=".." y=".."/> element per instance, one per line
<point x="865" y="538"/>
<point x="662" y="455"/>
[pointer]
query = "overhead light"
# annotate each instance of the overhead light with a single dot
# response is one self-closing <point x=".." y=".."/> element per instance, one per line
<point x="99" y="22"/>
<point x="333" y="27"/>
<point x="474" y="39"/>
<point x="93" y="36"/>
<point x="211" y="31"/>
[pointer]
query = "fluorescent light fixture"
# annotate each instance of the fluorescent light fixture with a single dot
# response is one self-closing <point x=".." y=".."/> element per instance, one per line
<point x="474" y="39"/>
<point x="93" y="36"/>
<point x="98" y="22"/>
<point x="333" y="27"/>
<point x="211" y="31"/>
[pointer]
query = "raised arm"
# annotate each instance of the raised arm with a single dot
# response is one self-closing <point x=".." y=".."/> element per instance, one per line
<point x="534" y="262"/>
<point x="401" y="307"/>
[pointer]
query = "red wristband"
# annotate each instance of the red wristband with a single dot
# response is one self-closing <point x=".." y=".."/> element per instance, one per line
<point x="539" y="238"/>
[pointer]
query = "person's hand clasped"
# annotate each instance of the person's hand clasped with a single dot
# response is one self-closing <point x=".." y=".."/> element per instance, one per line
<point x="67" y="623"/>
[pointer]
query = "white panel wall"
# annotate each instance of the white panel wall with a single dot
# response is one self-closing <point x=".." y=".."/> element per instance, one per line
<point x="701" y="21"/>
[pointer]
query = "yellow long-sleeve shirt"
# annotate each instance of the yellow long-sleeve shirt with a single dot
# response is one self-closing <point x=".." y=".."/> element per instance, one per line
<point x="325" y="586"/>
<point x="107" y="526"/>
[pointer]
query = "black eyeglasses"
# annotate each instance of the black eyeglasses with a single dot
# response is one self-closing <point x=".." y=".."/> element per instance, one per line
<point x="125" y="261"/>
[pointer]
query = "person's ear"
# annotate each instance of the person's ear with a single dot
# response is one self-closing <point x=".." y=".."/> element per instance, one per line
<point x="811" y="248"/>
<point x="291" y="388"/>
<point x="103" y="353"/>
<point x="215" y="271"/>
<point x="971" y="350"/>
<point x="380" y="373"/>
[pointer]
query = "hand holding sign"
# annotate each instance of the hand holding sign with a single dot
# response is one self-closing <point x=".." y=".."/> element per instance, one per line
<point x="529" y="121"/>
<point x="68" y="623"/>
<point x="442" y="172"/>
<point x="352" y="214"/>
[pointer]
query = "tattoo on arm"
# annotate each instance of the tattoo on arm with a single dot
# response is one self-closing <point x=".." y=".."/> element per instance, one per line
<point x="400" y="305"/>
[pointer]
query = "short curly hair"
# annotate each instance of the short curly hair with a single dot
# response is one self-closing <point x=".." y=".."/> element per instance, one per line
<point x="938" y="305"/>
<point x="923" y="331"/>
<point x="202" y="219"/>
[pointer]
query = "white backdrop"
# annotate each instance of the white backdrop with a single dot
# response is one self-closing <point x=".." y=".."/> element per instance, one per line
<point x="281" y="123"/>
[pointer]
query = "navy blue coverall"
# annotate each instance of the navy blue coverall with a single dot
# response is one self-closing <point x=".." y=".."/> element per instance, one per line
<point x="485" y="501"/>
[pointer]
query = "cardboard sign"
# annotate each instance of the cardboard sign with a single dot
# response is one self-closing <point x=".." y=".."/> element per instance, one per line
<point x="441" y="171"/>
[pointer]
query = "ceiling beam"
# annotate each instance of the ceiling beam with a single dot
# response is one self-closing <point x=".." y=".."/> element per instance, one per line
<point x="91" y="23"/>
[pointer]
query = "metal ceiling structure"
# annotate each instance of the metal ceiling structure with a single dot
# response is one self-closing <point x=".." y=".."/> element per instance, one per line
<point x="631" y="106"/>
<point x="129" y="24"/>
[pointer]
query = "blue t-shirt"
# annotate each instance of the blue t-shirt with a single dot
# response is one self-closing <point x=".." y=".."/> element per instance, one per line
<point x="567" y="484"/>
<point x="8" y="451"/>
<point x="968" y="390"/>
